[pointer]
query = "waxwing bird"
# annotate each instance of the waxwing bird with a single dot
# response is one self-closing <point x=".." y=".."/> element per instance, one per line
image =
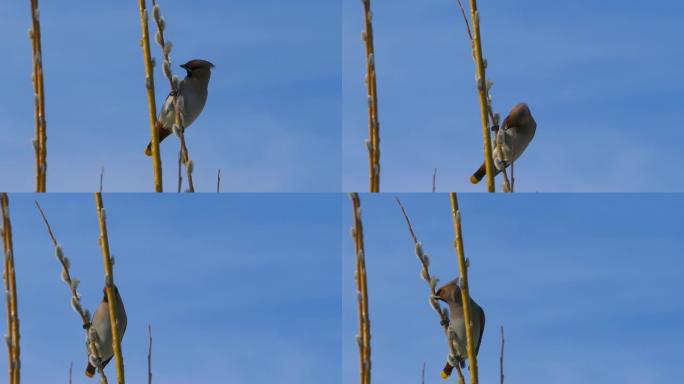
<point x="194" y="89"/>
<point x="516" y="132"/>
<point x="103" y="327"/>
<point x="450" y="293"/>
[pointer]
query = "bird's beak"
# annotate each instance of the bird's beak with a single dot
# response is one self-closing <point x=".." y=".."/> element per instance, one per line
<point x="183" y="66"/>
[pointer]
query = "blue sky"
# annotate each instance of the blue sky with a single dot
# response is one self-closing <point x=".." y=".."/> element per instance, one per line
<point x="240" y="288"/>
<point x="271" y="123"/>
<point x="604" y="81"/>
<point x="587" y="286"/>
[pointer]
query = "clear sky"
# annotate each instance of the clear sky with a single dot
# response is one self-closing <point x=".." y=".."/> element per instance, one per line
<point x="271" y="123"/>
<point x="603" y="79"/>
<point x="587" y="286"/>
<point x="239" y="288"/>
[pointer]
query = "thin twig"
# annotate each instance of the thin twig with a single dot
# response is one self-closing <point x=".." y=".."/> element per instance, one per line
<point x="364" y="336"/>
<point x="218" y="181"/>
<point x="40" y="139"/>
<point x="149" y="355"/>
<point x="73" y="283"/>
<point x="501" y="358"/>
<point x="434" y="180"/>
<point x="101" y="178"/>
<point x="465" y="295"/>
<point x="71" y="368"/>
<point x="432" y="282"/>
<point x="151" y="103"/>
<point x="422" y="374"/>
<point x="465" y="18"/>
<point x="179" y="127"/>
<point x="13" y="335"/>
<point x="109" y="288"/>
<point x="373" y="143"/>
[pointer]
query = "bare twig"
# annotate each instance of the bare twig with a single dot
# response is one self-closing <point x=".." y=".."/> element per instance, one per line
<point x="465" y="295"/>
<point x="151" y="103"/>
<point x="434" y="180"/>
<point x="422" y="374"/>
<point x="72" y="282"/>
<point x="364" y="336"/>
<point x="218" y="181"/>
<point x="465" y="19"/>
<point x="101" y="178"/>
<point x="501" y="358"/>
<point x="179" y="127"/>
<point x="109" y="288"/>
<point x="71" y="368"/>
<point x="40" y="139"/>
<point x="149" y="354"/>
<point x="13" y="334"/>
<point x="373" y="143"/>
<point x="432" y="282"/>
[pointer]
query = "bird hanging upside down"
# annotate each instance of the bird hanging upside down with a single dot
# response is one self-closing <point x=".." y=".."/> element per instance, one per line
<point x="103" y="328"/>
<point x="194" y="89"/>
<point x="450" y="293"/>
<point x="516" y="132"/>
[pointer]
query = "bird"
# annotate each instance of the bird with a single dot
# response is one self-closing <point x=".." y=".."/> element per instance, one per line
<point x="194" y="89"/>
<point x="516" y="132"/>
<point x="450" y="293"/>
<point x="103" y="327"/>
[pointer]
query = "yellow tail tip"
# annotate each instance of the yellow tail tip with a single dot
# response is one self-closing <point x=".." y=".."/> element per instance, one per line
<point x="474" y="179"/>
<point x="148" y="151"/>
<point x="89" y="374"/>
<point x="444" y="375"/>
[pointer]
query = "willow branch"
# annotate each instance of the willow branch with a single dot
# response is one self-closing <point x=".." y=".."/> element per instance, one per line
<point x="72" y="283"/>
<point x="13" y="346"/>
<point x="432" y="282"/>
<point x="151" y="103"/>
<point x="483" y="89"/>
<point x="373" y="143"/>
<point x="179" y="127"/>
<point x="364" y="337"/>
<point x="40" y="139"/>
<point x="109" y="288"/>
<point x="465" y="295"/>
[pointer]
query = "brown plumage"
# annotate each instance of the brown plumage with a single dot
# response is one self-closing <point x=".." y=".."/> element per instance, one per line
<point x="517" y="131"/>
<point x="450" y="293"/>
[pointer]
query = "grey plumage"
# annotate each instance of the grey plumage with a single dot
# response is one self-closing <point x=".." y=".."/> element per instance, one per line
<point x="103" y="327"/>
<point x="515" y="134"/>
<point x="194" y="88"/>
<point x="450" y="293"/>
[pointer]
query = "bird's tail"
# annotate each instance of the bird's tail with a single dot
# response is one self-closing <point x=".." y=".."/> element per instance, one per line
<point x="446" y="371"/>
<point x="481" y="173"/>
<point x="163" y="134"/>
<point x="90" y="370"/>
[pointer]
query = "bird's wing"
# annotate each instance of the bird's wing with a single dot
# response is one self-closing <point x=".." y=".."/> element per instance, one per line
<point x="479" y="341"/>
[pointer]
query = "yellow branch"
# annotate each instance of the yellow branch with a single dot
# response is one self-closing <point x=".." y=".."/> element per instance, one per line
<point x="109" y="289"/>
<point x="362" y="288"/>
<point x="373" y="124"/>
<point x="40" y="141"/>
<point x="465" y="295"/>
<point x="482" y="90"/>
<point x="11" y="289"/>
<point x="151" y="103"/>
